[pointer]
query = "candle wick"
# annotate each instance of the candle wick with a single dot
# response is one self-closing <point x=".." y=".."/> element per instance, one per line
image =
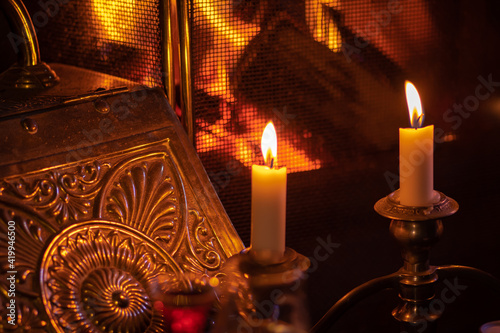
<point x="417" y="121"/>
<point x="421" y="120"/>
<point x="269" y="160"/>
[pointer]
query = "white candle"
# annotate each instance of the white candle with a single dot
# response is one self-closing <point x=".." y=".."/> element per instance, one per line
<point x="268" y="203"/>
<point x="416" y="154"/>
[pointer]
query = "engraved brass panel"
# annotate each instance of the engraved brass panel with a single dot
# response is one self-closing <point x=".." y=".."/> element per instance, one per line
<point x="91" y="235"/>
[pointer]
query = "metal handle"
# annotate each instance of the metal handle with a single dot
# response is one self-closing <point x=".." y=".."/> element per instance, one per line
<point x="21" y="25"/>
<point x="30" y="72"/>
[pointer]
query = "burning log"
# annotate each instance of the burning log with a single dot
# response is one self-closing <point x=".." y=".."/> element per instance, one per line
<point x="284" y="67"/>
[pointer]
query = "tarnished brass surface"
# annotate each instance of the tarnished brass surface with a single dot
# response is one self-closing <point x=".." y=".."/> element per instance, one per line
<point x="100" y="210"/>
<point x="77" y="86"/>
<point x="34" y="77"/>
<point x="416" y="239"/>
<point x="29" y="72"/>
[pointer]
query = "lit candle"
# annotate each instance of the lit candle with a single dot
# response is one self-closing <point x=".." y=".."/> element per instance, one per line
<point x="416" y="150"/>
<point x="268" y="203"/>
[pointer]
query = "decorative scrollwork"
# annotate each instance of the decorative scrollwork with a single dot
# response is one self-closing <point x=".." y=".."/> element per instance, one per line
<point x="148" y="196"/>
<point x="63" y="196"/>
<point x="28" y="233"/>
<point x="115" y="300"/>
<point x="202" y="245"/>
<point x="99" y="276"/>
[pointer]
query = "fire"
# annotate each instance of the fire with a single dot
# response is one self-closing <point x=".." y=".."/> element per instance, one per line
<point x="414" y="105"/>
<point x="232" y="39"/>
<point x="321" y="23"/>
<point x="217" y="136"/>
<point x="123" y="23"/>
<point x="116" y="26"/>
<point x="226" y="41"/>
<point x="238" y="34"/>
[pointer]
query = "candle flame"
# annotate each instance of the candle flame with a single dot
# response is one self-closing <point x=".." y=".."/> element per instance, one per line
<point x="414" y="105"/>
<point x="269" y="145"/>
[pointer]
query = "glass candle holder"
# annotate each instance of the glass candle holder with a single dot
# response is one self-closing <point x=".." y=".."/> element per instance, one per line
<point x="186" y="302"/>
<point x="258" y="297"/>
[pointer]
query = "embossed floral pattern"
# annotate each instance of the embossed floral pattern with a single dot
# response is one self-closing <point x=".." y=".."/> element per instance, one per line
<point x="100" y="278"/>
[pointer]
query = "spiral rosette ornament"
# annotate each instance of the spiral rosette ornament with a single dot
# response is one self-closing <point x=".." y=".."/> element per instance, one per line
<point x="100" y="276"/>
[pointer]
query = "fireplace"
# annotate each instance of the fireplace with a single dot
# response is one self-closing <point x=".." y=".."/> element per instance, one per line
<point x="330" y="75"/>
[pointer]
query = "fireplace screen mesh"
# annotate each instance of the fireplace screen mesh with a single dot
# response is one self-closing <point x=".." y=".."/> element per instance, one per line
<point x="328" y="73"/>
<point x="119" y="37"/>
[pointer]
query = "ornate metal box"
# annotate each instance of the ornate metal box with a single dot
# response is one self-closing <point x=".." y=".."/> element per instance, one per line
<point x="103" y="191"/>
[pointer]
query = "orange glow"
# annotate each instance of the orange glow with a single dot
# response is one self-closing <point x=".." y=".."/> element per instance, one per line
<point x="227" y="38"/>
<point x="323" y="28"/>
<point x="269" y="144"/>
<point x="232" y="38"/>
<point x="398" y="40"/>
<point x="216" y="12"/>
<point x="117" y="27"/>
<point x="218" y="137"/>
<point x="414" y="105"/>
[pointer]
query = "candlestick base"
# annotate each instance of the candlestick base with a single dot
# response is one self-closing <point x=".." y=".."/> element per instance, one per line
<point x="416" y="229"/>
<point x="259" y="292"/>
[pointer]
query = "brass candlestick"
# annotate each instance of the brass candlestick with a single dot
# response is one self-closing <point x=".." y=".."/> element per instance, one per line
<point x="416" y="229"/>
